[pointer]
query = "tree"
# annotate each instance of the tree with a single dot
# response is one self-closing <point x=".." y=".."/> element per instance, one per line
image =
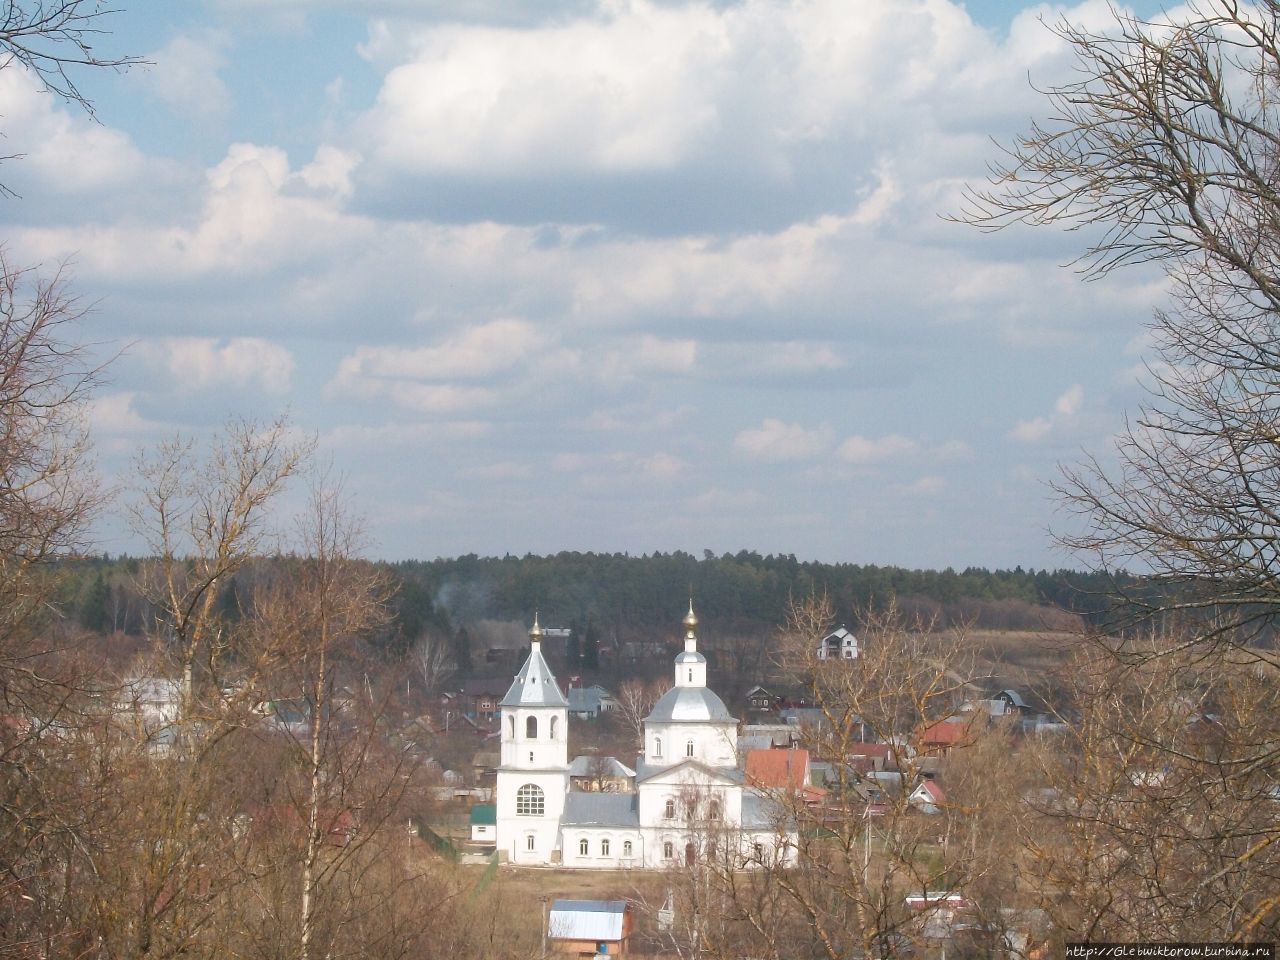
<point x="635" y="700"/>
<point x="432" y="657"/>
<point x="1166" y="150"/>
<point x="53" y="39"/>
<point x="203" y="520"/>
<point x="863" y="844"/>
<point x="47" y="497"/>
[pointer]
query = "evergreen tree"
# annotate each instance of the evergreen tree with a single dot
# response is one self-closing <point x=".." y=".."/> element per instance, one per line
<point x="591" y="648"/>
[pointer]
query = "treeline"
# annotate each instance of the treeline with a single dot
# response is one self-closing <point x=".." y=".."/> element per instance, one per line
<point x="625" y="593"/>
<point x="622" y="591"/>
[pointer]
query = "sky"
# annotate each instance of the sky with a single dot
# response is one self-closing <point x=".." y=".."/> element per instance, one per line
<point x="611" y="275"/>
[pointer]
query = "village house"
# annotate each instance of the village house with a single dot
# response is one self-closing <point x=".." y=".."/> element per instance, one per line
<point x="589" y="928"/>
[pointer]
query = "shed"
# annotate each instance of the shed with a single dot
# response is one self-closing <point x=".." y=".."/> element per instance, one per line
<point x="588" y="928"/>
<point x="484" y="821"/>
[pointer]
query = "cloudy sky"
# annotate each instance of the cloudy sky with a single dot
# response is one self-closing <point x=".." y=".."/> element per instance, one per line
<point x="590" y="274"/>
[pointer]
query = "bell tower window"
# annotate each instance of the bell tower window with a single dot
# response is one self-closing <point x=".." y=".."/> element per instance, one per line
<point x="531" y="728"/>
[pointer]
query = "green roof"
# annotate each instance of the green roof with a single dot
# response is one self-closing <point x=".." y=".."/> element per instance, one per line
<point x="484" y="814"/>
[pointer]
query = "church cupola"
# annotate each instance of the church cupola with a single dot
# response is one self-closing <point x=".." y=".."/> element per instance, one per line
<point x="691" y="666"/>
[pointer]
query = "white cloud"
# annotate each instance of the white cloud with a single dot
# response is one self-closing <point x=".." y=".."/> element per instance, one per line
<point x="1069" y="403"/>
<point x="775" y="441"/>
<point x="1065" y="409"/>
<point x="1031" y="431"/>
<point x="184" y="73"/>
<point x="198" y="363"/>
<point x="865" y="450"/>
<point x="114" y="414"/>
<point x="925" y="487"/>
<point x="478" y="351"/>
<point x="65" y="153"/>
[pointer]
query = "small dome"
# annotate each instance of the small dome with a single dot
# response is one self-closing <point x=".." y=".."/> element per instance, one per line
<point x="690" y="618"/>
<point x="535" y="632"/>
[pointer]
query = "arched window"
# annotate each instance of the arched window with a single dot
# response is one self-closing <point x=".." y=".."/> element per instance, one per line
<point x="626" y="848"/>
<point x="688" y="748"/>
<point x="531" y="728"/>
<point x="512" y="726"/>
<point x="690" y="854"/>
<point x="657" y="747"/>
<point x="712" y="850"/>
<point x="583" y="847"/>
<point x="530" y="802"/>
<point x="604" y="847"/>
<point x="668" y="850"/>
<point x="553" y="727"/>
<point x="670" y="811"/>
<point x="528" y="842"/>
<point x="713" y="809"/>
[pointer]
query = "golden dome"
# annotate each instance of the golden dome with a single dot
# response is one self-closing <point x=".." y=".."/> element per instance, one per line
<point x="535" y="632"/>
<point x="690" y="618"/>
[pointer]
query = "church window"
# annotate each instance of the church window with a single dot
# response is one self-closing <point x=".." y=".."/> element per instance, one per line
<point x="670" y="812"/>
<point x="713" y="810"/>
<point x="657" y="747"/>
<point x="512" y="727"/>
<point x="530" y="801"/>
<point x="691" y="675"/>
<point x="583" y="846"/>
<point x="531" y="728"/>
<point x="626" y="848"/>
<point x="531" y="756"/>
<point x="668" y="850"/>
<point x="528" y="842"/>
<point x="604" y="847"/>
<point x="688" y="748"/>
<point x="553" y="727"/>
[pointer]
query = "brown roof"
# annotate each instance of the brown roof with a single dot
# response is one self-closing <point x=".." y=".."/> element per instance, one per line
<point x="777" y="768"/>
<point x="951" y="732"/>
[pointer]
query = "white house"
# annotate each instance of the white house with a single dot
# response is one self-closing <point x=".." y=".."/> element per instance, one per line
<point x="689" y="799"/>
<point x="839" y="644"/>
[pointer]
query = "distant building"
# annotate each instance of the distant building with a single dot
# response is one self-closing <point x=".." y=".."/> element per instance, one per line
<point x="484" y="822"/>
<point x="839" y="644"/>
<point x="689" y="799"/>
<point x="589" y="928"/>
<point x="588" y="702"/>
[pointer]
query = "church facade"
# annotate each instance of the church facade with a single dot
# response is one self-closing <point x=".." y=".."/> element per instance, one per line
<point x="688" y="801"/>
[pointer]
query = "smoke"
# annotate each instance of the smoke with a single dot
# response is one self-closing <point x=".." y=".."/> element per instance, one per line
<point x="498" y="635"/>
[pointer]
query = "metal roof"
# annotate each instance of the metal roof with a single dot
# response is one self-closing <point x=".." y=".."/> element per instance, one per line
<point x="484" y="814"/>
<point x="535" y="685"/>
<point x="689" y="705"/>
<point x="587" y="919"/>
<point x="599" y="766"/>
<point x="589" y="809"/>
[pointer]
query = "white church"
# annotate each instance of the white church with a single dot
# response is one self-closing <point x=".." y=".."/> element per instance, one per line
<point x="688" y="802"/>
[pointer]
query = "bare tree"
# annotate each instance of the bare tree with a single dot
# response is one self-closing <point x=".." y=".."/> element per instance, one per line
<point x="47" y="497"/>
<point x="864" y="843"/>
<point x="635" y="701"/>
<point x="1166" y="149"/>
<point x="203" y="519"/>
<point x="432" y="656"/>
